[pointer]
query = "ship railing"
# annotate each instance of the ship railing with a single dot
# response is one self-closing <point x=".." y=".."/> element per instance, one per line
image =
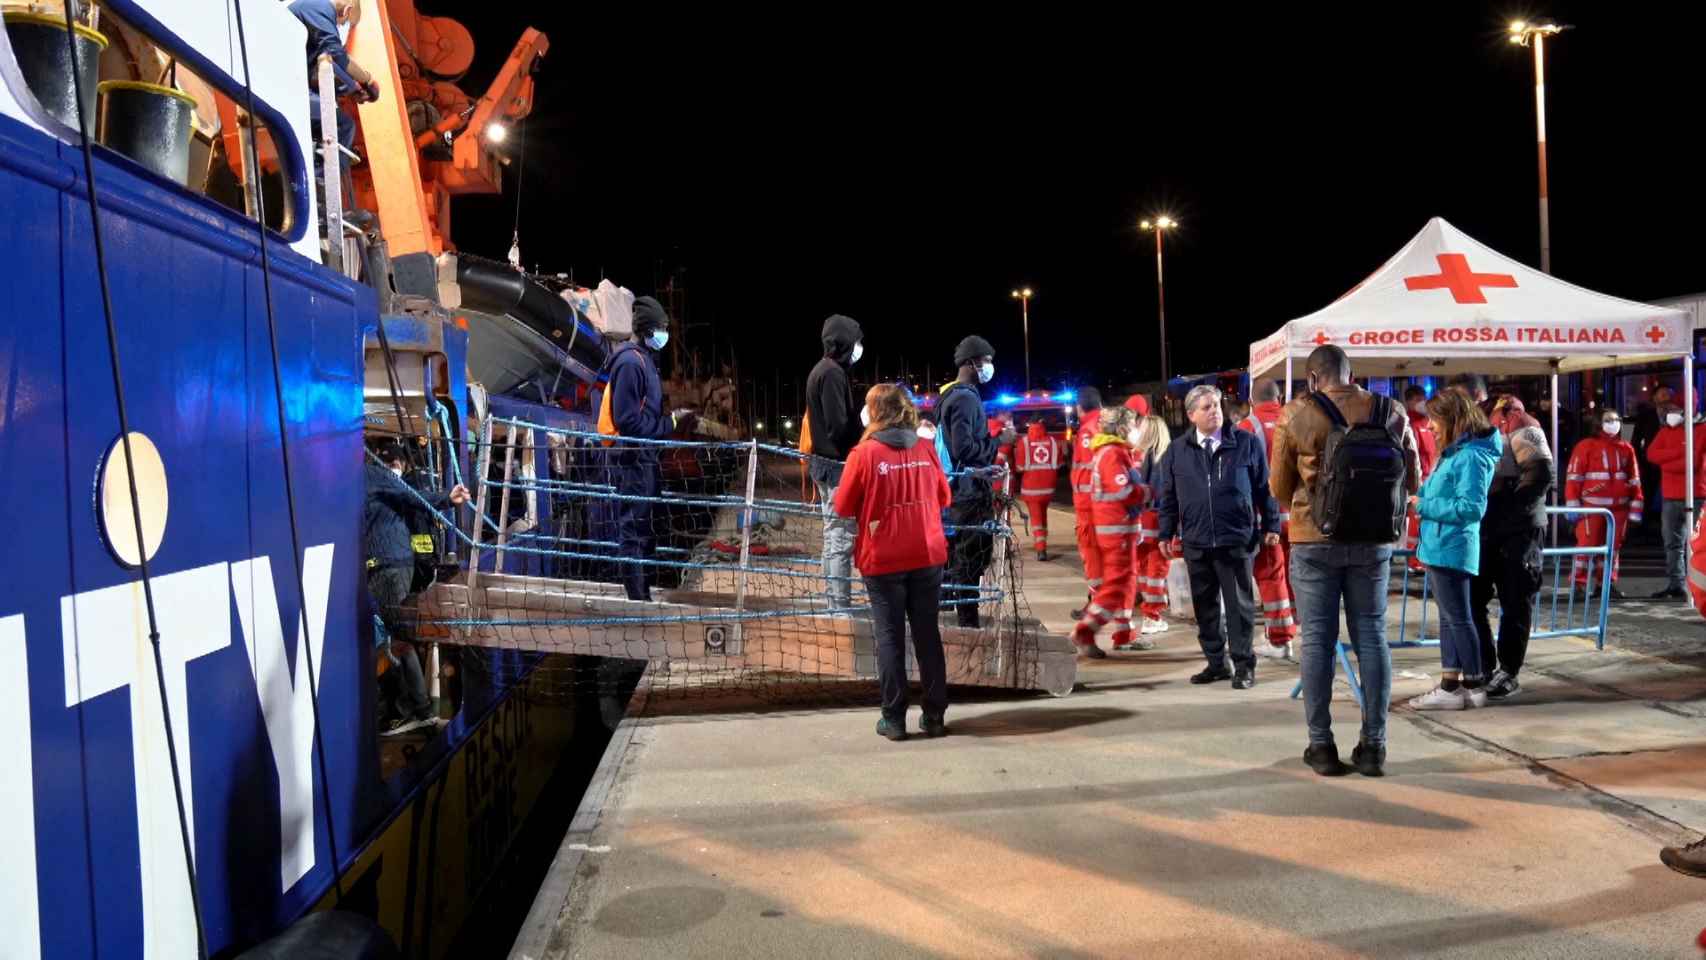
<point x="342" y="250"/>
<point x="1554" y="608"/>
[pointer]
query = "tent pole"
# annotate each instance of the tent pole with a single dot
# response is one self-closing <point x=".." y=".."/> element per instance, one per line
<point x="1288" y="372"/>
<point x="1689" y="511"/>
<point x="1557" y="454"/>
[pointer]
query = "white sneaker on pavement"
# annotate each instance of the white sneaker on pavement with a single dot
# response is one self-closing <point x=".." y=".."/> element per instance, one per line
<point x="1440" y="698"/>
<point x="1271" y="651"/>
<point x="1475" y="698"/>
<point x="1153" y="625"/>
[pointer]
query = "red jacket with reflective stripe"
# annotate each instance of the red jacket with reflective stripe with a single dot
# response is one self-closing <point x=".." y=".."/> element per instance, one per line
<point x="1263" y="418"/>
<point x="1081" y="460"/>
<point x="897" y="493"/>
<point x="1039" y="462"/>
<point x="1116" y="497"/>
<point x="1427" y="445"/>
<point x="1669" y="452"/>
<point x="1603" y="473"/>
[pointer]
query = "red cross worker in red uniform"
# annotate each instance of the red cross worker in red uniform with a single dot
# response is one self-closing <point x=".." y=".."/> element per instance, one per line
<point x="1003" y="455"/>
<point x="1038" y="463"/>
<point x="1603" y="473"/>
<point x="1427" y="451"/>
<point x="1150" y="563"/>
<point x="1116" y="503"/>
<point x="1272" y="572"/>
<point x="1089" y="412"/>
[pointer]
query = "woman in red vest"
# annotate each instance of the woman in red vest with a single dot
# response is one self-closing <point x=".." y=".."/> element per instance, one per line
<point x="894" y="486"/>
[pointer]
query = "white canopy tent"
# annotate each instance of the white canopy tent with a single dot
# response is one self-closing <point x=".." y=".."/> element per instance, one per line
<point x="1447" y="304"/>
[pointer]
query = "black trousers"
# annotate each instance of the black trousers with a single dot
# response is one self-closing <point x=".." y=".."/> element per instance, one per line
<point x="1223" y="574"/>
<point x="897" y="599"/>
<point x="968" y="555"/>
<point x="1510" y="571"/>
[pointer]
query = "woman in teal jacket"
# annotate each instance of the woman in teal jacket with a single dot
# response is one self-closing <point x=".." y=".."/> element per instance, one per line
<point x="1451" y="504"/>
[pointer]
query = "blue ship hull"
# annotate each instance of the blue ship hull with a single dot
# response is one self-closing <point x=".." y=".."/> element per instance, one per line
<point x="94" y="862"/>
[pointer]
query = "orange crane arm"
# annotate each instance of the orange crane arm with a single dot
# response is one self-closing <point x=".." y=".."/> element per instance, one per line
<point x="473" y="168"/>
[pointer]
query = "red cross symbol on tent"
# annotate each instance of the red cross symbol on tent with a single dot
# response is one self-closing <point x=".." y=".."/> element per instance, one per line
<point x="1320" y="337"/>
<point x="1454" y="275"/>
<point x="1656" y="334"/>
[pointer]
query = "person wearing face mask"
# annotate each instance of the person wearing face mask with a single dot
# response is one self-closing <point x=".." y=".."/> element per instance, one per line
<point x="1669" y="452"/>
<point x="961" y="419"/>
<point x="1511" y="537"/>
<point x="631" y="407"/>
<point x="1116" y="500"/>
<point x="1039" y="469"/>
<point x="1603" y="472"/>
<point x="1427" y="451"/>
<point x="1089" y="412"/>
<point x="835" y="422"/>
<point x="893" y="489"/>
<point x="1649" y="419"/>
<point x="389" y="542"/>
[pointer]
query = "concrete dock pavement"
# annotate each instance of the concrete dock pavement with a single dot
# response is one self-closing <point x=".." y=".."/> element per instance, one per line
<point x="1144" y="817"/>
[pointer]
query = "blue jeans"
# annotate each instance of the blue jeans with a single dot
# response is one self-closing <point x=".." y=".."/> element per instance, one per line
<point x="838" y="535"/>
<point x="1324" y="576"/>
<point x="1459" y="644"/>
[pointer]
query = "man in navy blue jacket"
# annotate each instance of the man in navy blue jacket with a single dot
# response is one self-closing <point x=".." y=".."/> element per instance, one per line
<point x="322" y="18"/>
<point x="635" y="412"/>
<point x="1216" y="511"/>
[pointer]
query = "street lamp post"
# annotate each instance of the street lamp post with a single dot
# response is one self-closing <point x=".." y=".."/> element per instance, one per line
<point x="1524" y="34"/>
<point x="1159" y="226"/>
<point x="1024" y="298"/>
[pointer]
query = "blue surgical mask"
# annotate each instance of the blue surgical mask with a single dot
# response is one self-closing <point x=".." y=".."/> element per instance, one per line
<point x="985" y="372"/>
<point x="858" y="351"/>
<point x="657" y="339"/>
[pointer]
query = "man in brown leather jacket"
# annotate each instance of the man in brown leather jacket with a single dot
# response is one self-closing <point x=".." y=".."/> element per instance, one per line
<point x="1325" y="574"/>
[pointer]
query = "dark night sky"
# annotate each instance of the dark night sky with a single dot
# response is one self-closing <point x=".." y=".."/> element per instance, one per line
<point x="909" y="169"/>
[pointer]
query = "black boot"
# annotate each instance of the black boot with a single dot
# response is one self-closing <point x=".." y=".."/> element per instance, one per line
<point x="1323" y="758"/>
<point x="1369" y="761"/>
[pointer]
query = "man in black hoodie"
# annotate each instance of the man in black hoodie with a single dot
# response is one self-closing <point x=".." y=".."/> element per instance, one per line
<point x="832" y="415"/>
<point x="960" y="417"/>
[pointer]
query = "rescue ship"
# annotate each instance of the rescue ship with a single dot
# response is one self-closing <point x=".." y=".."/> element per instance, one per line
<point x="194" y="348"/>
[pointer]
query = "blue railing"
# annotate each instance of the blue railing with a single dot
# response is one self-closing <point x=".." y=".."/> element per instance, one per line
<point x="1594" y="617"/>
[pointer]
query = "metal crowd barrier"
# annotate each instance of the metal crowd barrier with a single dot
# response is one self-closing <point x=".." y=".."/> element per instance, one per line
<point x="1594" y="617"/>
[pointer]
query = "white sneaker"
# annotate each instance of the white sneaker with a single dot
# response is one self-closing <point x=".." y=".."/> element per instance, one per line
<point x="1153" y="625"/>
<point x="1440" y="698"/>
<point x="1271" y="652"/>
<point x="1475" y="698"/>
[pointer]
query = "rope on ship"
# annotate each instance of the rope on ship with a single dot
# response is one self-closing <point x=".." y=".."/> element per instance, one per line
<point x="130" y="478"/>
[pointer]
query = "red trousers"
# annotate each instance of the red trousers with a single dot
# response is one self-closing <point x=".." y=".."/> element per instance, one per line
<point x="1087" y="550"/>
<point x="1590" y="532"/>
<point x="1273" y="582"/>
<point x="1412" y="538"/>
<point x="1037" y="507"/>
<point x="1152" y="579"/>
<point x="1111" y="600"/>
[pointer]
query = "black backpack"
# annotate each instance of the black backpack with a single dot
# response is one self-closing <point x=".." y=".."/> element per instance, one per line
<point x="1359" y="486"/>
